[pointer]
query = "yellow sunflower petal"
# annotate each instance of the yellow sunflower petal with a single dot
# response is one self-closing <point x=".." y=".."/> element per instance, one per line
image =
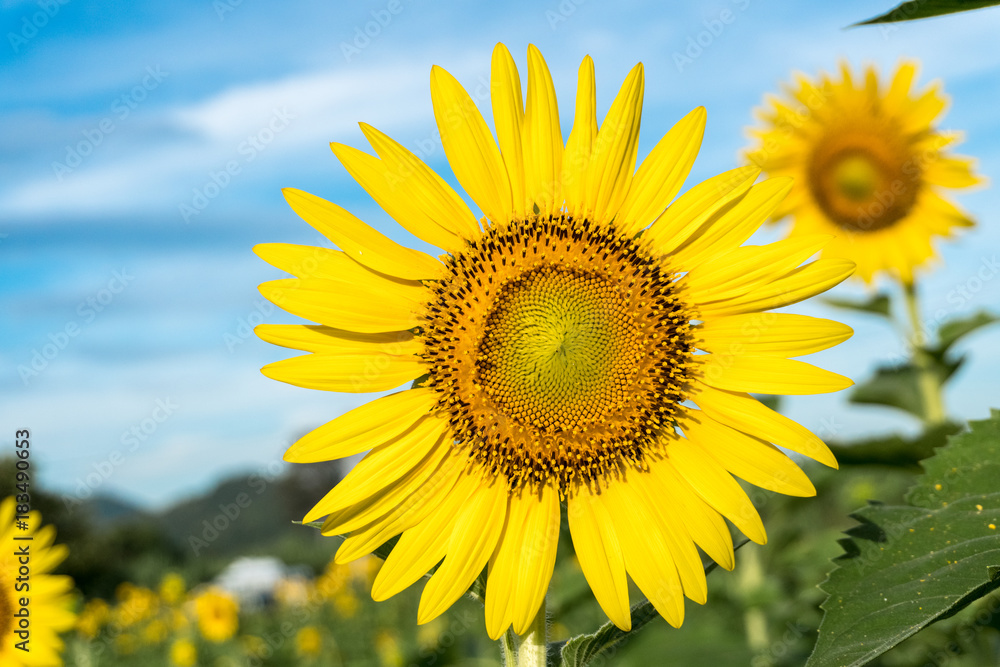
<point x="716" y="487"/>
<point x="543" y="144"/>
<point x="770" y="334"/>
<point x="705" y="526"/>
<point x="383" y="465"/>
<point x="471" y="150"/>
<point x="303" y="261"/>
<point x="735" y="225"/>
<point x="738" y="271"/>
<point x="422" y="547"/>
<point x="399" y="197"/>
<point x="595" y="541"/>
<point x="352" y="373"/>
<point x="747" y="457"/>
<point x="407" y="514"/>
<point x="696" y="206"/>
<point x="508" y="119"/>
<point x="741" y="411"/>
<point x="327" y="340"/>
<point x="524" y="561"/>
<point x="952" y="172"/>
<point x="768" y="375"/>
<point x="799" y="284"/>
<point x="364" y="427"/>
<point x="656" y="501"/>
<point x="612" y="160"/>
<point x="410" y="177"/>
<point x="356" y="307"/>
<point x="473" y="538"/>
<point x="576" y="157"/>
<point x="648" y="559"/>
<point x="378" y="507"/>
<point x="361" y="242"/>
<point x="662" y="173"/>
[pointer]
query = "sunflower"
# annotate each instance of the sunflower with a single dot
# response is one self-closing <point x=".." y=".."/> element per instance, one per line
<point x="183" y="653"/>
<point x="27" y="558"/>
<point x="559" y="346"/>
<point x="308" y="642"/>
<point x="868" y="166"/>
<point x="217" y="613"/>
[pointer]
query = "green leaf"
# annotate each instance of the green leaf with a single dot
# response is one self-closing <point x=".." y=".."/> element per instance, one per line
<point x="950" y="332"/>
<point x="582" y="650"/>
<point x="906" y="567"/>
<point x="922" y="9"/>
<point x="878" y="304"/>
<point x="898" y="386"/>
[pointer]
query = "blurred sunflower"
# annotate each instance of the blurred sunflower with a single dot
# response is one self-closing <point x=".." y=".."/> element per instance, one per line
<point x="217" y="613"/>
<point x="92" y="618"/>
<point x="557" y="352"/>
<point x="308" y="642"/>
<point x="183" y="653"/>
<point x="868" y="164"/>
<point x="172" y="588"/>
<point x="48" y="594"/>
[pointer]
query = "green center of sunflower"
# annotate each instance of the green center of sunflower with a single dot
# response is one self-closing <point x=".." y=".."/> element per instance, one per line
<point x="856" y="177"/>
<point x="559" y="348"/>
<point x="863" y="182"/>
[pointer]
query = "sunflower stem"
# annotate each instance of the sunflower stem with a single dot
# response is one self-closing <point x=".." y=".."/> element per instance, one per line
<point x="507" y="646"/>
<point x="534" y="644"/>
<point x="927" y="380"/>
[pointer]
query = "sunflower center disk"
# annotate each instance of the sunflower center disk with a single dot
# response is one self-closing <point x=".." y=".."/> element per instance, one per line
<point x="559" y="349"/>
<point x="863" y="183"/>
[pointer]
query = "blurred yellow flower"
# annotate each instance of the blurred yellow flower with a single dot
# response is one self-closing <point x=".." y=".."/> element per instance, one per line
<point x="135" y="604"/>
<point x="155" y="632"/>
<point x="183" y="653"/>
<point x="178" y="620"/>
<point x="429" y="634"/>
<point x="868" y="165"/>
<point x="172" y="588"/>
<point x="292" y="592"/>
<point x="92" y="618"/>
<point x="50" y="600"/>
<point x="387" y="647"/>
<point x="308" y="642"/>
<point x="332" y="580"/>
<point x="346" y="603"/>
<point x="217" y="612"/>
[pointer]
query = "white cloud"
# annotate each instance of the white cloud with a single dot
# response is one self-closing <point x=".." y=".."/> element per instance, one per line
<point x="302" y="112"/>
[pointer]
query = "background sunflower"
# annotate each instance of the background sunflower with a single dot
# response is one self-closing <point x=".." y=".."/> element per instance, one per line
<point x="870" y="165"/>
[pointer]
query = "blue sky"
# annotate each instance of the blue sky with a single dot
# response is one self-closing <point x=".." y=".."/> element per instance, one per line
<point x="117" y="120"/>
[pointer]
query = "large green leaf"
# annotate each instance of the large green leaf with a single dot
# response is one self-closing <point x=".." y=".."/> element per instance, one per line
<point x="877" y="304"/>
<point x="899" y="386"/>
<point x="922" y="9"/>
<point x="906" y="567"/>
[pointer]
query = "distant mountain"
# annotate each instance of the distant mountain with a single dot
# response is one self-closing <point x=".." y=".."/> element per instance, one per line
<point x="248" y="513"/>
<point x="105" y="511"/>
